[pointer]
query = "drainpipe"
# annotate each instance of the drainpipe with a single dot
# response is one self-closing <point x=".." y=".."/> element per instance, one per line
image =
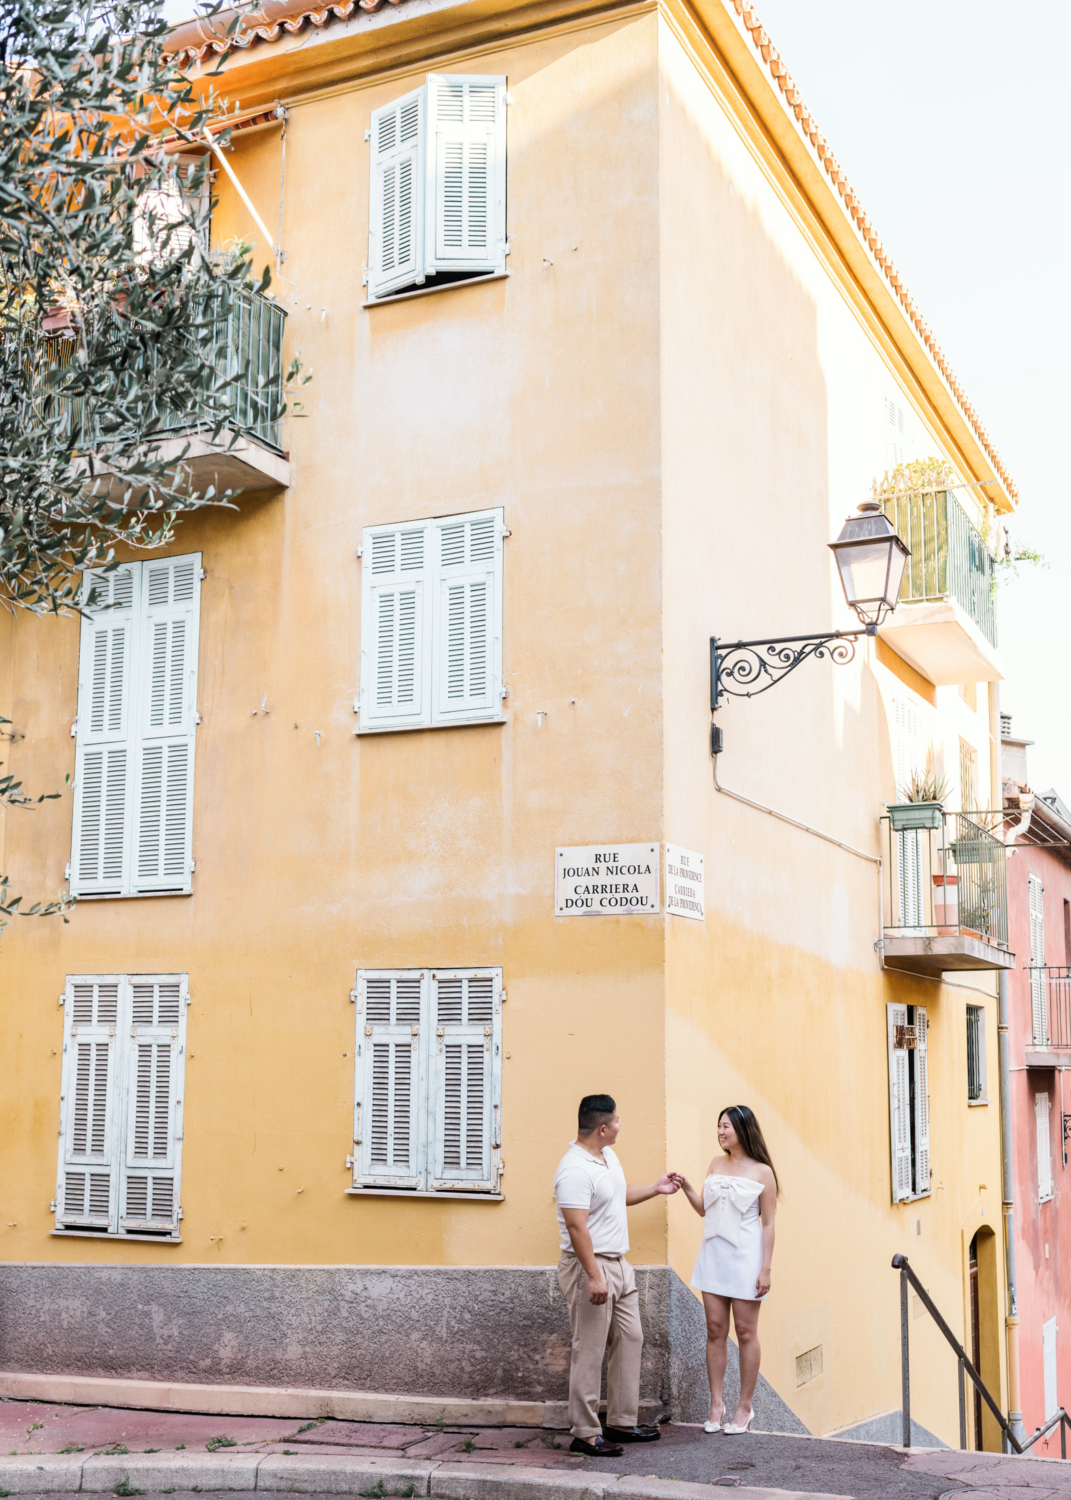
<point x="1015" y="1415"/>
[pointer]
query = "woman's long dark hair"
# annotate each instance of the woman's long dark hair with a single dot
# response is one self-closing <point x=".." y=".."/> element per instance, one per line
<point x="749" y="1134"/>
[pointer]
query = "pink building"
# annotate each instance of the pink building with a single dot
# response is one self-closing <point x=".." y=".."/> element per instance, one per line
<point x="1039" y="1104"/>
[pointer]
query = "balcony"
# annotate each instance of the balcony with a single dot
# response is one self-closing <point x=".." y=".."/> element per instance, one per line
<point x="249" y="357"/>
<point x="1050" y="1006"/>
<point x="946" y="904"/>
<point x="945" y="625"/>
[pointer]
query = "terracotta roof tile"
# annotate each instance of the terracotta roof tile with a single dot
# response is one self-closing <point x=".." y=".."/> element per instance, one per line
<point x="193" y="41"/>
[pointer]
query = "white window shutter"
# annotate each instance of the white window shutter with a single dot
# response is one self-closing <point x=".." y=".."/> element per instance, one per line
<point x="166" y="723"/>
<point x="465" y="1080"/>
<point x="165" y="216"/>
<point x="466" y="173"/>
<point x="1044" y="1147"/>
<point x="1049" y="1367"/>
<point x="922" y="1101"/>
<point x="1038" y="988"/>
<point x="104" y="758"/>
<point x="87" y="1186"/>
<point x="468" y="618"/>
<point x="396" y="195"/>
<point x="155" y="1064"/>
<point x="899" y="1106"/>
<point x="396" y="627"/>
<point x="389" y="1115"/>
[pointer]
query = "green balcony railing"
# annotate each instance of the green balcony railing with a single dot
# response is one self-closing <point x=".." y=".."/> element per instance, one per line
<point x="946" y="878"/>
<point x="949" y="557"/>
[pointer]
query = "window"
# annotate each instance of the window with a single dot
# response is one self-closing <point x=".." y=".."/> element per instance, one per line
<point x="911" y="844"/>
<point x="137" y="695"/>
<point x="1039" y="998"/>
<point x="120" y="1153"/>
<point x="909" y="1101"/>
<point x="428" y="1084"/>
<point x="437" y="204"/>
<point x="1048" y="1358"/>
<point x="976" y="1080"/>
<point x="431" y="622"/>
<point x="968" y="777"/>
<point x="1044" y="1143"/>
<point x="968" y="691"/>
<point x="167" y="217"/>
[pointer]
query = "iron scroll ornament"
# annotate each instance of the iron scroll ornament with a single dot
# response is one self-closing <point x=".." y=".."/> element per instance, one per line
<point x="743" y="669"/>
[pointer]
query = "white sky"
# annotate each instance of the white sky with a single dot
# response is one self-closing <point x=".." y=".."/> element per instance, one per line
<point x="951" y="120"/>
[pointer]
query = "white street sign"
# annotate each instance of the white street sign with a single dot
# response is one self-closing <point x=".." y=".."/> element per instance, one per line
<point x="684" y="883"/>
<point x="606" y="880"/>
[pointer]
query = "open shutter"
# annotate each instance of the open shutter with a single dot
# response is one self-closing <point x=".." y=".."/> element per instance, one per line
<point x="1048" y="1362"/>
<point x="389" y="1117"/>
<point x="1038" y="988"/>
<point x="395" y="627"/>
<point x="167" y="717"/>
<point x="1044" y="1147"/>
<point x="396" y="202"/>
<point x="922" y="1101"/>
<point x="465" y="1075"/>
<point x="104" y="759"/>
<point x="466" y="173"/>
<point x="899" y="1102"/>
<point x="468" y="623"/>
<point x="152" y="1132"/>
<point x="87" y="1186"/>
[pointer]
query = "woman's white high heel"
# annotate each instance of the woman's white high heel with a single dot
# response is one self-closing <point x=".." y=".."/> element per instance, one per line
<point x="712" y="1426"/>
<point x="734" y="1427"/>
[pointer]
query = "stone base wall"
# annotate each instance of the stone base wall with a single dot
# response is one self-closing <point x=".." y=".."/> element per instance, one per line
<point x="462" y="1332"/>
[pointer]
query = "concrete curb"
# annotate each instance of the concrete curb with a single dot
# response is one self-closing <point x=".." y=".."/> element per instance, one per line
<point x="328" y="1474"/>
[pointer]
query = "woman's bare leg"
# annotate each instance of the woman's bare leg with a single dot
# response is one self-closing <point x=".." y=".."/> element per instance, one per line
<point x="717" y="1314"/>
<point x="746" y="1322"/>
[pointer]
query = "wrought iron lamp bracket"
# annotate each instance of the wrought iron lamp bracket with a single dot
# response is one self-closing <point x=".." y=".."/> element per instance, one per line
<point x="744" y="669"/>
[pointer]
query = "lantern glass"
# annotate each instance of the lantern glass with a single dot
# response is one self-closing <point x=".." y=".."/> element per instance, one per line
<point x="870" y="559"/>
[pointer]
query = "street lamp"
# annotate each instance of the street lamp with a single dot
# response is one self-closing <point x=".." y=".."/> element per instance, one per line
<point x="870" y="560"/>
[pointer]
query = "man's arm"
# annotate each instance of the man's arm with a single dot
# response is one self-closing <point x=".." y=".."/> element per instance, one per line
<point x="576" y="1221"/>
<point x="669" y="1182"/>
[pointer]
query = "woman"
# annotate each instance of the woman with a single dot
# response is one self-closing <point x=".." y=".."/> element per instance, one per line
<point x="738" y="1204"/>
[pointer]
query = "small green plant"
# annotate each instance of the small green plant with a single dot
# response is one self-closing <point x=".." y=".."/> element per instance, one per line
<point x="308" y="1426"/>
<point x="178" y="1446"/>
<point x="290" y="1453"/>
<point x="519" y="1444"/>
<point x="550" y="1441"/>
<point x="196" y="1488"/>
<point x="124" y="1488"/>
<point x="169" y="1491"/>
<point x="73" y="1448"/>
<point x="36" y="1426"/>
<point x="5" y="1493"/>
<point x="379" y="1492"/>
<point x="468" y="1446"/>
<point x="927" y="786"/>
<point x="151" y="1450"/>
<point x="439" y="1423"/>
<point x="116" y="1450"/>
<point x="221" y="1442"/>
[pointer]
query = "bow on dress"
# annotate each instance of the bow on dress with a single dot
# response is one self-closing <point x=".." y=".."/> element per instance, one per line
<point x="726" y="1200"/>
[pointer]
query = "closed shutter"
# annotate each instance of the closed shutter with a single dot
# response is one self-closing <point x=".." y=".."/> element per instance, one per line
<point x="922" y="1102"/>
<point x="1038" y="989"/>
<point x="395" y="627"/>
<point x="153" y="1099"/>
<point x="105" y="755"/>
<point x="1044" y="1147"/>
<point x="907" y="744"/>
<point x="168" y="216"/>
<point x="468" y="648"/>
<point x="167" y="716"/>
<point x="899" y="1103"/>
<point x="389" y="1116"/>
<point x="465" y="1080"/>
<point x="910" y="850"/>
<point x="896" y="433"/>
<point x="87" y="1187"/>
<point x="395" y="211"/>
<point x="466" y="173"/>
<point x="1048" y="1358"/>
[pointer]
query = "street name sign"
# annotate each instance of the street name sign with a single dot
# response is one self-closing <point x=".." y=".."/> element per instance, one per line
<point x="684" y="883"/>
<point x="606" y="880"/>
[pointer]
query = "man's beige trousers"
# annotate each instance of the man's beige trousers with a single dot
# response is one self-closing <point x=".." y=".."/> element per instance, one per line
<point x="617" y="1321"/>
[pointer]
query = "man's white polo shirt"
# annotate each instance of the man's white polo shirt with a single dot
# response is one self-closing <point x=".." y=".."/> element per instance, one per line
<point x="582" y="1181"/>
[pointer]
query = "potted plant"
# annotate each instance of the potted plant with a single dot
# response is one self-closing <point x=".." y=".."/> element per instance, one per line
<point x="922" y="806"/>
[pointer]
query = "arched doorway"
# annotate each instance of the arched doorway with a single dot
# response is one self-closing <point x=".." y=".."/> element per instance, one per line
<point x="983" y="1343"/>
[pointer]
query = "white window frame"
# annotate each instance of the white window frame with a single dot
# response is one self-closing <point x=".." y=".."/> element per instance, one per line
<point x="909" y="1119"/>
<point x="438" y="156"/>
<point x="124" y="1148"/>
<point x="1039" y="992"/>
<point x="1050" y="1367"/>
<point x="428" y="586"/>
<point x="142" y="828"/>
<point x="983" y="1097"/>
<point x="1043" y="1146"/>
<point x="425" y="1172"/>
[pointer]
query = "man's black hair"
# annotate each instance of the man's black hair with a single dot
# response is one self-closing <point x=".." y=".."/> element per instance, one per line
<point x="595" y="1110"/>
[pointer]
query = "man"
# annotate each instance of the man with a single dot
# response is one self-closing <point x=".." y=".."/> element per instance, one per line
<point x="598" y="1283"/>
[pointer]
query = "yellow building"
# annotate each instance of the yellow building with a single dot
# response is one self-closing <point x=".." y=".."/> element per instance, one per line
<point x="604" y="351"/>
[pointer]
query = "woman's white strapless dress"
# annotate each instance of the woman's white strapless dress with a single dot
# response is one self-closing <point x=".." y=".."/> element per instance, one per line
<point x="730" y="1257"/>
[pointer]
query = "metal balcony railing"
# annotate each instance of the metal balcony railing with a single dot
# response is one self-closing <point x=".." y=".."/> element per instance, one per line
<point x="1050" y="1005"/>
<point x="248" y="358"/>
<point x="945" y="880"/>
<point x="949" y="557"/>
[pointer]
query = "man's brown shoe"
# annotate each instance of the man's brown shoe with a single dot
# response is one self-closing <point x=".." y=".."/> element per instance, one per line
<point x="599" y="1448"/>
<point x="633" y="1434"/>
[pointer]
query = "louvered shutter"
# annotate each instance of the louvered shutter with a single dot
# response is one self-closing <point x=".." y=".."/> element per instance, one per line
<point x="105" y="754"/>
<point x="167" y="217"/>
<point x="466" y="173"/>
<point x="167" y="717"/>
<point x="87" y="1186"/>
<point x="922" y="1101"/>
<point x="389" y="1116"/>
<point x="899" y="1104"/>
<point x="1038" y="988"/>
<point x="395" y="627"/>
<point x="152" y="1131"/>
<point x="465" y="1080"/>
<point x="1049" y="1367"/>
<point x="468" y="621"/>
<point x="1044" y="1147"/>
<point x="396" y="203"/>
